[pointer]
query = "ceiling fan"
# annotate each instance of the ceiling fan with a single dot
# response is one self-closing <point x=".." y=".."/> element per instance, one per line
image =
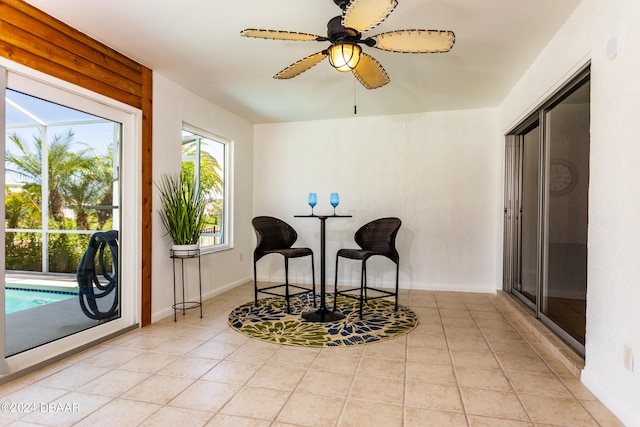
<point x="344" y="32"/>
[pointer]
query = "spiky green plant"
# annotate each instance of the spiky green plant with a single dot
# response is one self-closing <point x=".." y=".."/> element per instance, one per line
<point x="182" y="212"/>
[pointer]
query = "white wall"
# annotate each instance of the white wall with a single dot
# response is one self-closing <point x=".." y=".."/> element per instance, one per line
<point x="438" y="172"/>
<point x="173" y="105"/>
<point x="608" y="34"/>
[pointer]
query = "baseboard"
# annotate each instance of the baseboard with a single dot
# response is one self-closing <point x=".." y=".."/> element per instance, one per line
<point x="487" y="288"/>
<point x="168" y="311"/>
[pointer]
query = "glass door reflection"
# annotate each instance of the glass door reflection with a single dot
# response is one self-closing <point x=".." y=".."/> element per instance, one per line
<point x="565" y="289"/>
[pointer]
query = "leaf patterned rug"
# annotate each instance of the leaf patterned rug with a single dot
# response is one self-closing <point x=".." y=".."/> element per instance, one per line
<point x="268" y="320"/>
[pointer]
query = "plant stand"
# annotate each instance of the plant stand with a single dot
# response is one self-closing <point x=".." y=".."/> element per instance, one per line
<point x="185" y="305"/>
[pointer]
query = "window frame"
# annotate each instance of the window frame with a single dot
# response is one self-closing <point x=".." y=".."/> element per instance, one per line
<point x="227" y="205"/>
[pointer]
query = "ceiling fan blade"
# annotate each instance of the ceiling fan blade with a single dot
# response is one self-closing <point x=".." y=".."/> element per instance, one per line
<point x="280" y="35"/>
<point x="364" y="15"/>
<point x="370" y="73"/>
<point x="415" y="41"/>
<point x="301" y="66"/>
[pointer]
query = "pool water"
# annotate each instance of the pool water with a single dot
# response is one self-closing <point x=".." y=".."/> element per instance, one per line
<point x="22" y="299"/>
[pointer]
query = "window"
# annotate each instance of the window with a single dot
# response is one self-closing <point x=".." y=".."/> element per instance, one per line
<point x="205" y="158"/>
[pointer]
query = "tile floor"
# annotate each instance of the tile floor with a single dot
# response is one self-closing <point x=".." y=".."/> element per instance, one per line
<point x="472" y="361"/>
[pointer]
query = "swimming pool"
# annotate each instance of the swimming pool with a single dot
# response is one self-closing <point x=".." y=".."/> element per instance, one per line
<point x="17" y="299"/>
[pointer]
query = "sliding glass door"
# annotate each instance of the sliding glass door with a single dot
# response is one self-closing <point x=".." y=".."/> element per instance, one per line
<point x="546" y="211"/>
<point x="70" y="252"/>
<point x="565" y="290"/>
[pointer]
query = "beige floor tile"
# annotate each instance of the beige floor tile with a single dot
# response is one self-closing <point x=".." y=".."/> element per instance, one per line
<point x="484" y="310"/>
<point x="416" y="417"/>
<point x="474" y="359"/>
<point x="428" y="355"/>
<point x="336" y="362"/>
<point x="579" y="390"/>
<point x="453" y="331"/>
<point x="490" y="379"/>
<point x="232" y="372"/>
<point x="500" y="335"/>
<point x="177" y="346"/>
<point x="12" y="387"/>
<point x="477" y="421"/>
<point x="249" y="352"/>
<point x="468" y="343"/>
<point x="538" y="383"/>
<point x="207" y="396"/>
<point x="190" y="367"/>
<point x="429" y="318"/>
<point x="433" y="396"/>
<point x="30" y="396"/>
<point x="379" y="367"/>
<point x="602" y="415"/>
<point x="158" y="389"/>
<point x="169" y="416"/>
<point x="231" y="336"/>
<point x="459" y="323"/>
<point x="513" y="347"/>
<point x="554" y="410"/>
<point x="149" y="362"/>
<point x="391" y="349"/>
<point x="377" y="389"/>
<point x="325" y="383"/>
<point x="112" y="357"/>
<point x="496" y="404"/>
<point x="73" y="377"/>
<point x="122" y="412"/>
<point x="424" y="339"/>
<point x="114" y="383"/>
<point x="277" y="377"/>
<point x="430" y="373"/>
<point x="222" y="420"/>
<point x="495" y="325"/>
<point x="199" y="333"/>
<point x="295" y="357"/>
<point x="67" y="410"/>
<point x="516" y="362"/>
<point x="358" y="414"/>
<point x="252" y="402"/>
<point x="142" y="341"/>
<point x="214" y="350"/>
<point x="311" y="410"/>
<point x="464" y="354"/>
<point x="446" y="314"/>
<point x="72" y="360"/>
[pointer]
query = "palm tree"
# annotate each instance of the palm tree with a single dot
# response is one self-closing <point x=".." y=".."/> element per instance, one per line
<point x="63" y="165"/>
<point x="210" y="180"/>
<point x="91" y="185"/>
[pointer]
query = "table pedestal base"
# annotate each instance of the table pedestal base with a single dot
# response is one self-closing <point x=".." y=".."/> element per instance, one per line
<point x="322" y="315"/>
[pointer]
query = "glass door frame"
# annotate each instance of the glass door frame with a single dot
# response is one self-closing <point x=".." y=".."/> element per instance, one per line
<point x="39" y="84"/>
<point x="513" y="210"/>
<point x="512" y="218"/>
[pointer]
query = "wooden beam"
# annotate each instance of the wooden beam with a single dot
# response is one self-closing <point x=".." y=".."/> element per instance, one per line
<point x="31" y="37"/>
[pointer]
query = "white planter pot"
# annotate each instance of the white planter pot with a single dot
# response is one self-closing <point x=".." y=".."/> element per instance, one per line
<point x="184" y="250"/>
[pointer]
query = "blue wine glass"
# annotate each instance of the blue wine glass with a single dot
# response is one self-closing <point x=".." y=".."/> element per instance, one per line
<point x="313" y="200"/>
<point x="334" y="199"/>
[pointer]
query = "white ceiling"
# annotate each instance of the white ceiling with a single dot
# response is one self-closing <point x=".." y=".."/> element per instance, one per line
<point x="196" y="44"/>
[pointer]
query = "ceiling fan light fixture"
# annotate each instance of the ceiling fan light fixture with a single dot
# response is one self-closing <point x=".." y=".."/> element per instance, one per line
<point x="344" y="56"/>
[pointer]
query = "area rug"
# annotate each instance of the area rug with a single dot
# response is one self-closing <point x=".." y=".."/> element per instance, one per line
<point x="268" y="320"/>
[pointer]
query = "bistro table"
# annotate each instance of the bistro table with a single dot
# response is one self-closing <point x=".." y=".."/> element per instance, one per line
<point x="322" y="314"/>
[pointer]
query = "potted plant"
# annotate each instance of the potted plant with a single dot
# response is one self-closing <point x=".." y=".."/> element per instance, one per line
<point x="182" y="212"/>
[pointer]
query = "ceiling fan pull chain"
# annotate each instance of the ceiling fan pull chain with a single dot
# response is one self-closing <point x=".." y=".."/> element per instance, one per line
<point x="355" y="107"/>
